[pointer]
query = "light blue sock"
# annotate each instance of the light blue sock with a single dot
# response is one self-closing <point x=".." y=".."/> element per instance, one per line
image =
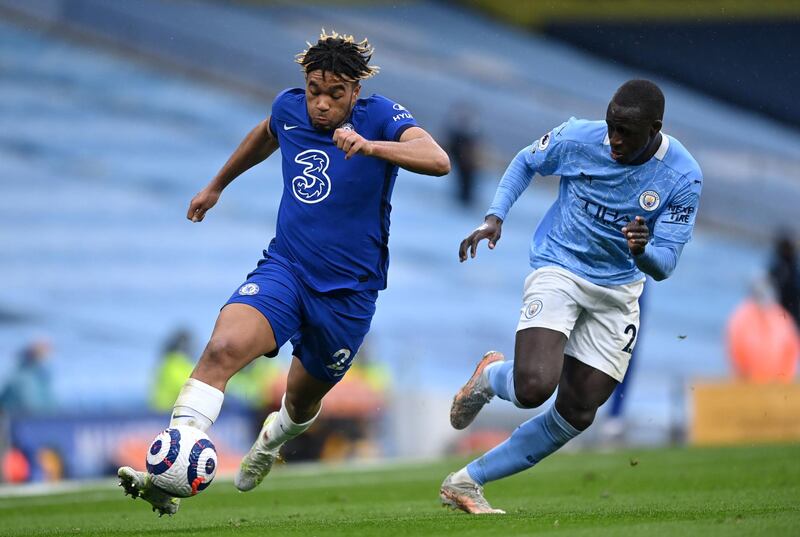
<point x="501" y="379"/>
<point x="530" y="442"/>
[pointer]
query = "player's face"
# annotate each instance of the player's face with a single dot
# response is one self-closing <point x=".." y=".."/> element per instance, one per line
<point x="628" y="134"/>
<point x="329" y="98"/>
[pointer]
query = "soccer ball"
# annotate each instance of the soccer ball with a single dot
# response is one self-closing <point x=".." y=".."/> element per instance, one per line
<point x="182" y="461"/>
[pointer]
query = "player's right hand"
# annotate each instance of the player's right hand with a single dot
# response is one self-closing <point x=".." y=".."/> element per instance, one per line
<point x="491" y="229"/>
<point x="351" y="142"/>
<point x="201" y="203"/>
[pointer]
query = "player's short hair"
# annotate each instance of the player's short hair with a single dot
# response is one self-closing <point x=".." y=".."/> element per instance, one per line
<point x="339" y="54"/>
<point x="641" y="94"/>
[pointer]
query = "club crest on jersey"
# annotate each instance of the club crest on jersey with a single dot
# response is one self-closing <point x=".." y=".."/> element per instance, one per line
<point x="249" y="289"/>
<point x="533" y="309"/>
<point x="649" y="200"/>
<point x="313" y="185"/>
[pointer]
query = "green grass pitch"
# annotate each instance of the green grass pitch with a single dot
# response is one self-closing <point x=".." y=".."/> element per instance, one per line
<point x="669" y="492"/>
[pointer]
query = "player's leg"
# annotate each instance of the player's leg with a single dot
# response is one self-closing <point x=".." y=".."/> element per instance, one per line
<point x="602" y="341"/>
<point x="550" y="312"/>
<point x="547" y="317"/>
<point x="324" y="350"/>
<point x="529" y="380"/>
<point x="582" y="390"/>
<point x="599" y="352"/>
<point x="300" y="407"/>
<point x="240" y="334"/>
<point x="301" y="404"/>
<point x="532" y="377"/>
<point x="256" y="320"/>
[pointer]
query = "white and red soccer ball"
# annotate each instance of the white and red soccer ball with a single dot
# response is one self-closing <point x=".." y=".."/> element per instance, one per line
<point x="182" y="461"/>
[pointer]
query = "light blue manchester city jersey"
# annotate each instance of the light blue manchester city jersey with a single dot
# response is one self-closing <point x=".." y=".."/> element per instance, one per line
<point x="598" y="196"/>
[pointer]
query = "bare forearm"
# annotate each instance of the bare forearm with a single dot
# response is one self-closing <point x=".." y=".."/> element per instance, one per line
<point x="254" y="149"/>
<point x="421" y="155"/>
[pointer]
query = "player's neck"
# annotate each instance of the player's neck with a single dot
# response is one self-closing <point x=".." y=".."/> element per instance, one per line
<point x="648" y="152"/>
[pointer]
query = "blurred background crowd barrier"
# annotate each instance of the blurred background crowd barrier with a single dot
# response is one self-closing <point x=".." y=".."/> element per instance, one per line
<point x="115" y="113"/>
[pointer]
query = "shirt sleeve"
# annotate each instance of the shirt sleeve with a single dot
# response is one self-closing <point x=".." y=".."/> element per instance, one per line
<point x="675" y="224"/>
<point x="277" y="111"/>
<point x="515" y="180"/>
<point x="546" y="155"/>
<point x="396" y="119"/>
<point x="659" y="260"/>
<point x="543" y="156"/>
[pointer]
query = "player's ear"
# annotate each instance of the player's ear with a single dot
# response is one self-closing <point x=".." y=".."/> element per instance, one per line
<point x="655" y="127"/>
<point x="356" y="91"/>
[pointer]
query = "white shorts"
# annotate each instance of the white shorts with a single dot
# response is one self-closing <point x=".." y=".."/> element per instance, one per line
<point x="600" y="322"/>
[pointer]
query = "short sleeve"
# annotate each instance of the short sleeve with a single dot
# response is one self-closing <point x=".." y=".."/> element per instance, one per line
<point x="285" y="108"/>
<point x="272" y="125"/>
<point x="395" y="117"/>
<point x="277" y="110"/>
<point x="676" y="221"/>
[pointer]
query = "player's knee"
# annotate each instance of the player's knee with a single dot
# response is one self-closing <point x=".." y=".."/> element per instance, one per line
<point x="301" y="407"/>
<point x="532" y="391"/>
<point x="222" y="354"/>
<point x="578" y="416"/>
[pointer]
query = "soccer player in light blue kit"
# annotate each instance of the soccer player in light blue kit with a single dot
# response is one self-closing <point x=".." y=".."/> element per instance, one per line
<point x="626" y="206"/>
<point x="318" y="281"/>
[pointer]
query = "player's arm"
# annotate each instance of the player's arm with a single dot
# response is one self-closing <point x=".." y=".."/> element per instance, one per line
<point x="416" y="150"/>
<point x="515" y="180"/>
<point x="657" y="258"/>
<point x="259" y="144"/>
<point x="658" y="255"/>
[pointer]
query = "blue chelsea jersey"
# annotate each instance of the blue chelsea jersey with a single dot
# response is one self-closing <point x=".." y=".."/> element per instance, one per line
<point x="597" y="197"/>
<point x="333" y="220"/>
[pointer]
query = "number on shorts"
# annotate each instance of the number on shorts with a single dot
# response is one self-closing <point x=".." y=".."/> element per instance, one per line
<point x="631" y="328"/>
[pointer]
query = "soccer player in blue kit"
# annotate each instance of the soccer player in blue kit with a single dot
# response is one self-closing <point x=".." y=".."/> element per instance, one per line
<point x="627" y="203"/>
<point x="318" y="281"/>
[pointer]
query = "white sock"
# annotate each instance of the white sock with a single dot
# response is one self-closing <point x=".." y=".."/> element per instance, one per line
<point x="197" y="405"/>
<point x="462" y="476"/>
<point x="283" y="428"/>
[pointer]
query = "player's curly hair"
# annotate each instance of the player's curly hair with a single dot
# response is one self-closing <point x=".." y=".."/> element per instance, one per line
<point x="339" y="54"/>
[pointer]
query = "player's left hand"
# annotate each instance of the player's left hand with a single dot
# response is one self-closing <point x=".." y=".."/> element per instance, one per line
<point x="351" y="142"/>
<point x="637" y="234"/>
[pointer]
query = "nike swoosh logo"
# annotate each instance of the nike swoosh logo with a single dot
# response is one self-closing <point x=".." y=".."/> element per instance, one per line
<point x="288" y="128"/>
<point x="183" y="416"/>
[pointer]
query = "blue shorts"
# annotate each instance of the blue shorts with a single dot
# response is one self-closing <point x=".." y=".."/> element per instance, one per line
<point x="326" y="329"/>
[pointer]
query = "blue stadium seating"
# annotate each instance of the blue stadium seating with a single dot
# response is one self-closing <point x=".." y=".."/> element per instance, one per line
<point x="99" y="156"/>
